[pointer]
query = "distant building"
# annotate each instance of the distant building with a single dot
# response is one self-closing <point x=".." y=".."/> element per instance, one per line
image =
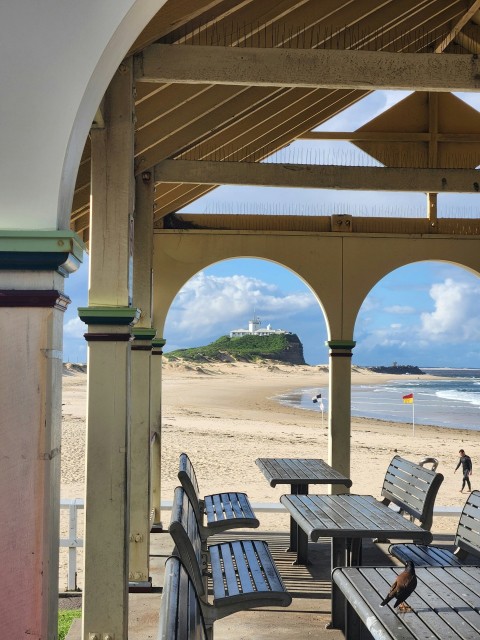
<point x="255" y="330"/>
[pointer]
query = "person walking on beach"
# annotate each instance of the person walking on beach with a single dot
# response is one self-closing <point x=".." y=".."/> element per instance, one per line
<point x="466" y="463"/>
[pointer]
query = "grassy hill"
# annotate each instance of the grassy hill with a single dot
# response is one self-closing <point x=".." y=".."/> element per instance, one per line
<point x="283" y="348"/>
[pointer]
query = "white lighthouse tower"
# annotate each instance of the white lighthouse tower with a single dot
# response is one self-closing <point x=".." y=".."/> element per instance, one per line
<point x="254" y="325"/>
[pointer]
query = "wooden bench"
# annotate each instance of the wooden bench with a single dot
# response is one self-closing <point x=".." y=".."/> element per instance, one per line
<point x="413" y="489"/>
<point x="218" y="512"/>
<point x="243" y="573"/>
<point x="181" y="614"/>
<point x="467" y="540"/>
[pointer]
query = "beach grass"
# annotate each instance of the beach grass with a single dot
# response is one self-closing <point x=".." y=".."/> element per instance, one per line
<point x="65" y="619"/>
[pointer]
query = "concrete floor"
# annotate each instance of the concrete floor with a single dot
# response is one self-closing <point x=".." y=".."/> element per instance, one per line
<point x="310" y="587"/>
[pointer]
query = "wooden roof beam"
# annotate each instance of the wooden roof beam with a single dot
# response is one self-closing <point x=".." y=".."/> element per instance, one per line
<point x="468" y="15"/>
<point x="318" y="176"/>
<point x="316" y="68"/>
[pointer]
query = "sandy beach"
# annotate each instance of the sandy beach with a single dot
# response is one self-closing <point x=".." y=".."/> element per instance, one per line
<point x="225" y="416"/>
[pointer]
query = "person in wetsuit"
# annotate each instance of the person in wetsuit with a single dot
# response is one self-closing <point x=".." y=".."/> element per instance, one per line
<point x="466" y="463"/>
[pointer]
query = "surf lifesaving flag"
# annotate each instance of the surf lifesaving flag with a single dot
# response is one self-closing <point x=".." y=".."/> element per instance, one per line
<point x="408" y="399"/>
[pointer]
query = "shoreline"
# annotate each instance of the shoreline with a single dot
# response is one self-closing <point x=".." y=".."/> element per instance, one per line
<point x="225" y="416"/>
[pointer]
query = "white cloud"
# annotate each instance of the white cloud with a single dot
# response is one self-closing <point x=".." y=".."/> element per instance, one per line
<point x="75" y="328"/>
<point x="209" y="301"/>
<point x="398" y="309"/>
<point x="456" y="316"/>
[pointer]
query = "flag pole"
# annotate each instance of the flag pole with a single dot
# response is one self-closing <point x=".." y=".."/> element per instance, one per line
<point x="413" y="418"/>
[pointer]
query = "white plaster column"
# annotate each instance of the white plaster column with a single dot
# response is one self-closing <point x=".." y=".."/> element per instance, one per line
<point x="32" y="303"/>
<point x="156" y="431"/>
<point x="109" y="317"/>
<point x="339" y="406"/>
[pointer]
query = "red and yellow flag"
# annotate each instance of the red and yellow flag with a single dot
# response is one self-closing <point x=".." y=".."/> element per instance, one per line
<point x="408" y="399"/>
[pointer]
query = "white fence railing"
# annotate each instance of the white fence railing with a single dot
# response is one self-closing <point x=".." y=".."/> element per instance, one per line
<point x="73" y="542"/>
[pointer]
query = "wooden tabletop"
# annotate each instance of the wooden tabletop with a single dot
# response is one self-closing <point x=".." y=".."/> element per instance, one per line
<point x="300" y="471"/>
<point x="445" y="603"/>
<point x="350" y="516"/>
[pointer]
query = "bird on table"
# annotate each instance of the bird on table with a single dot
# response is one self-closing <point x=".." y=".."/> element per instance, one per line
<point x="403" y="587"/>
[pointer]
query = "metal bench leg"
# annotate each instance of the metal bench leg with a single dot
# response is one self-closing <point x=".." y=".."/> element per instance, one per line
<point x="353" y="624"/>
<point x="339" y="559"/>
<point x="302" y="548"/>
<point x="355" y="559"/>
<point x="296" y="490"/>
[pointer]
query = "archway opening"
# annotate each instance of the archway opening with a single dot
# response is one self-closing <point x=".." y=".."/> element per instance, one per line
<point x="420" y="326"/>
<point x="226" y="414"/>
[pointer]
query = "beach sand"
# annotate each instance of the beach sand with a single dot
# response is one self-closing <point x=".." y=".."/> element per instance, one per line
<point x="225" y="416"/>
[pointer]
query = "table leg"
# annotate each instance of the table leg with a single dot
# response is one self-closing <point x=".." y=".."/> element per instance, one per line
<point x="296" y="490"/>
<point x="339" y="559"/>
<point x="302" y="548"/>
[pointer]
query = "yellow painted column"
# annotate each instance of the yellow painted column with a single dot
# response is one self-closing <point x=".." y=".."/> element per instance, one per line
<point x="139" y="541"/>
<point x="156" y="432"/>
<point x="143" y="334"/>
<point x="339" y="406"/>
<point x="109" y="316"/>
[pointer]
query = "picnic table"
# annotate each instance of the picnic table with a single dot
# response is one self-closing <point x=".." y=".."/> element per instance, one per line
<point x="346" y="519"/>
<point x="299" y="473"/>
<point x="445" y="604"/>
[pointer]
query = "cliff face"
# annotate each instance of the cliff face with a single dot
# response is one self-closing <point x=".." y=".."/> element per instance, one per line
<point x="292" y="353"/>
<point x="281" y="348"/>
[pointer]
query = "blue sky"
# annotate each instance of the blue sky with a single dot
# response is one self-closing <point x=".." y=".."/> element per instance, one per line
<point x="425" y="314"/>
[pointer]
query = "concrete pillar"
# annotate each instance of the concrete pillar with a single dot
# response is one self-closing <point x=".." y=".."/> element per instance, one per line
<point x="138" y="573"/>
<point x="156" y="431"/>
<point x="109" y="317"/>
<point x="339" y="402"/>
<point x="32" y="270"/>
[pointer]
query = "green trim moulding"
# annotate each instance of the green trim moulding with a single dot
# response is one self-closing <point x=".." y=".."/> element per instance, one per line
<point x="61" y="251"/>
<point x="143" y="333"/>
<point x="109" y="315"/>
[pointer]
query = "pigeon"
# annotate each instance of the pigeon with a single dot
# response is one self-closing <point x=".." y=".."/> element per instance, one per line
<point x="403" y="587"/>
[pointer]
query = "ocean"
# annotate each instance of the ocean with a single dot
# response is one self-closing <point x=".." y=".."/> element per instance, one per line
<point x="453" y="402"/>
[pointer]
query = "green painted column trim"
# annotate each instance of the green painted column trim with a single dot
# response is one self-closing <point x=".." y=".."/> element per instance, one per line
<point x="109" y="315"/>
<point x="33" y="250"/>
<point x="143" y="333"/>
<point x="157" y="346"/>
<point x="340" y="344"/>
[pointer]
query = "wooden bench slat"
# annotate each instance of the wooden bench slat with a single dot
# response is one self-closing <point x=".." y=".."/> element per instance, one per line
<point x="443" y="606"/>
<point x="181" y="616"/>
<point x="222" y="511"/>
<point x="243" y="572"/>
<point x="412" y="488"/>
<point x="231" y="585"/>
<point x="467" y="539"/>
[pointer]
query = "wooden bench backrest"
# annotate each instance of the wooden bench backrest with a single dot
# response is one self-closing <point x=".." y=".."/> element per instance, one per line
<point x="181" y="616"/>
<point x="468" y="531"/>
<point x="412" y="488"/>
<point x="188" y="480"/>
<point x="185" y="532"/>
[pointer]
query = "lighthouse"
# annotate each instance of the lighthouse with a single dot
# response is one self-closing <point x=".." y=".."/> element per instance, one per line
<point x="254" y="325"/>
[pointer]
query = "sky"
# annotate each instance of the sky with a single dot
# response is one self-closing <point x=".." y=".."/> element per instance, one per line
<point x="425" y="314"/>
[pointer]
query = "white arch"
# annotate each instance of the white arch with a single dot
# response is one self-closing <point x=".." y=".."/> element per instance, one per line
<point x="52" y="82"/>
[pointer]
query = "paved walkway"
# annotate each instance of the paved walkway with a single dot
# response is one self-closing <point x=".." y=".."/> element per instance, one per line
<point x="305" y="618"/>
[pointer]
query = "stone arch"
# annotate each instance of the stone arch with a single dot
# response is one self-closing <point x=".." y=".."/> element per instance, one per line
<point x="182" y="255"/>
<point x="132" y="18"/>
<point x="259" y="309"/>
<point x="404" y="296"/>
<point x="368" y="260"/>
